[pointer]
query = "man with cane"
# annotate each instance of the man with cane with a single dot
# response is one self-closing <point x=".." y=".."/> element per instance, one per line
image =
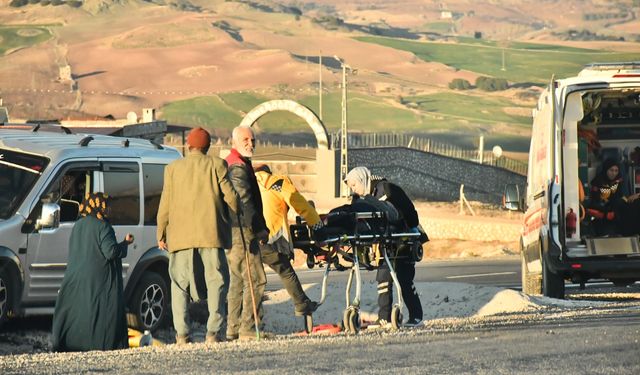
<point x="249" y="230"/>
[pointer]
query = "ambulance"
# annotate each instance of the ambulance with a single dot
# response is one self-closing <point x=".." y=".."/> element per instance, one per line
<point x="580" y="124"/>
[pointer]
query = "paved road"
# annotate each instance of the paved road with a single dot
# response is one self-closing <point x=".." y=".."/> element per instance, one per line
<point x="497" y="272"/>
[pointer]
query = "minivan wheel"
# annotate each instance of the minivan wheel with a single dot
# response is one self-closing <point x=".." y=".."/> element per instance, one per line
<point x="6" y="290"/>
<point x="148" y="305"/>
<point x="531" y="283"/>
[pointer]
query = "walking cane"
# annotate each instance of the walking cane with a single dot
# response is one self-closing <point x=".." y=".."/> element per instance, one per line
<point x="253" y="297"/>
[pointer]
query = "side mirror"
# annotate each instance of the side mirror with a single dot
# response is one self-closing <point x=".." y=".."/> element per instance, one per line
<point x="50" y="217"/>
<point x="511" y="199"/>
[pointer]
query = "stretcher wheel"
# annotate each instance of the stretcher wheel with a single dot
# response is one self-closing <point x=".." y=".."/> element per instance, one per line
<point x="345" y="320"/>
<point x="396" y="317"/>
<point x="308" y="323"/>
<point x="417" y="252"/>
<point x="311" y="261"/>
<point x="354" y="321"/>
<point x="351" y="320"/>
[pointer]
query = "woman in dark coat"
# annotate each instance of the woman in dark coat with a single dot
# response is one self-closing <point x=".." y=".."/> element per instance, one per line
<point x="90" y="309"/>
<point x="613" y="212"/>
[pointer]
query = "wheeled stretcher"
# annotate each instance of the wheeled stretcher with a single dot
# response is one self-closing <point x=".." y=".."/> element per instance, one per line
<point x="355" y="241"/>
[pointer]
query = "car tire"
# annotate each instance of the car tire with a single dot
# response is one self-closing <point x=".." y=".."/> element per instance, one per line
<point x="7" y="289"/>
<point x="149" y="303"/>
<point x="531" y="282"/>
<point x="552" y="283"/>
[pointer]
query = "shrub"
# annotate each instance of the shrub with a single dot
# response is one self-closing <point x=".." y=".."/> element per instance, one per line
<point x="491" y="84"/>
<point x="74" y="3"/>
<point x="18" y="3"/>
<point x="459" y="84"/>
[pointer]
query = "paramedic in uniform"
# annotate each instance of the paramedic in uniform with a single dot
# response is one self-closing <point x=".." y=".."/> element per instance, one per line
<point x="361" y="183"/>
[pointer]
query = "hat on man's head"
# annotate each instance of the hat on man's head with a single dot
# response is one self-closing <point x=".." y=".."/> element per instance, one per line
<point x="199" y="138"/>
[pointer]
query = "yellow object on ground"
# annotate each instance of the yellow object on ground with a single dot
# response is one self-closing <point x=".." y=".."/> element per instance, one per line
<point x="138" y="339"/>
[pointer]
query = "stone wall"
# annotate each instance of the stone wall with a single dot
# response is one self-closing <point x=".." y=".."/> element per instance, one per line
<point x="424" y="175"/>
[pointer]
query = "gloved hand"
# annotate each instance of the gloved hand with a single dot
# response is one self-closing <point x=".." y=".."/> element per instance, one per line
<point x="611" y="215"/>
<point x="319" y="234"/>
<point x="262" y="236"/>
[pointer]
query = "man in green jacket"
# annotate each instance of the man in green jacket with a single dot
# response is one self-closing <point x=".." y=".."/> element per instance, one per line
<point x="194" y="217"/>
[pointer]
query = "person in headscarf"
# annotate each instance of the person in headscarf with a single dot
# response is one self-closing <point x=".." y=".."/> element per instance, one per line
<point x="611" y="209"/>
<point x="90" y="308"/>
<point x="363" y="184"/>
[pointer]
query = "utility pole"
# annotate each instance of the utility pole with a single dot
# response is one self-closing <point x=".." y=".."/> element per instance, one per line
<point x="320" y="85"/>
<point x="504" y="67"/>
<point x="343" y="130"/>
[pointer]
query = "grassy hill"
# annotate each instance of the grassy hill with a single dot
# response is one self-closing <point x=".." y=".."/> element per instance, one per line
<point x="16" y="37"/>
<point x="523" y="62"/>
<point x="209" y="62"/>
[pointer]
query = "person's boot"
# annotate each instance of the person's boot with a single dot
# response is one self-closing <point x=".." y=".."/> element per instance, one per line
<point x="309" y="309"/>
<point x="182" y="339"/>
<point x="212" y="338"/>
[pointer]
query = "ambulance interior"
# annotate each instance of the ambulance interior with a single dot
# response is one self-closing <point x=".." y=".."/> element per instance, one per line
<point x="608" y="127"/>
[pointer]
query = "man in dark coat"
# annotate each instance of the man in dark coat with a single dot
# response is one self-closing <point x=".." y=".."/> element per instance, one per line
<point x="90" y="309"/>
<point x="249" y="230"/>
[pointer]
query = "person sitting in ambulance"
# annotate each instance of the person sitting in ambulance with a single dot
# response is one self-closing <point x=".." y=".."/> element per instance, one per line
<point x="612" y="211"/>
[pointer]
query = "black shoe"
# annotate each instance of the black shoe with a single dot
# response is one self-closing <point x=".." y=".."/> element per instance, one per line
<point x="309" y="309"/>
<point x="414" y="323"/>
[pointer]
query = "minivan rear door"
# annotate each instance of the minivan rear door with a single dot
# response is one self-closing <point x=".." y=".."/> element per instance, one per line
<point x="121" y="181"/>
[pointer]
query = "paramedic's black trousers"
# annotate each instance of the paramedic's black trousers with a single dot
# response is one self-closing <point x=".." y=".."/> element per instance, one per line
<point x="405" y="272"/>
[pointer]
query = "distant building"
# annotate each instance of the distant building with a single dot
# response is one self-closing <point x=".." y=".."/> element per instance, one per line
<point x="446" y="15"/>
<point x="65" y="74"/>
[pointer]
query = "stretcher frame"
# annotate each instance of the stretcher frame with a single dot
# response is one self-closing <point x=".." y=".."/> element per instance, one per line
<point x="351" y="248"/>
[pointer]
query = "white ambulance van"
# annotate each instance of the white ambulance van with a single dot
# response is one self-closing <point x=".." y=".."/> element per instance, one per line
<point x="578" y="124"/>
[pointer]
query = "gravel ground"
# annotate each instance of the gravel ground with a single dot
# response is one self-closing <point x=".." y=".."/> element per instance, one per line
<point x="291" y="353"/>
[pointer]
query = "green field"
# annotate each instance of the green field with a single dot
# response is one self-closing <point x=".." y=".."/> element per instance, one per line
<point x="13" y="37"/>
<point x="365" y="113"/>
<point x="469" y="107"/>
<point x="524" y="62"/>
<point x="206" y="111"/>
<point x="455" y="118"/>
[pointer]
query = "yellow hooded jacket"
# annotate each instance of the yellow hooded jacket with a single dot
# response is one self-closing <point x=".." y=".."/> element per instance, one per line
<point x="278" y="194"/>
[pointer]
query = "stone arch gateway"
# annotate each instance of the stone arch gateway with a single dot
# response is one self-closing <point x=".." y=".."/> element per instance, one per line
<point x="296" y="108"/>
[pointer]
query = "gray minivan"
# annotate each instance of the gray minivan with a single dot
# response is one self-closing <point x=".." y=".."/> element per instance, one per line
<point x="43" y="177"/>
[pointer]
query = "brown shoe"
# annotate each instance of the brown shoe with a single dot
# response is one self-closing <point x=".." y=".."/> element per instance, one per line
<point x="253" y="337"/>
<point x="232" y="336"/>
<point x="212" y="338"/>
<point x="182" y="339"/>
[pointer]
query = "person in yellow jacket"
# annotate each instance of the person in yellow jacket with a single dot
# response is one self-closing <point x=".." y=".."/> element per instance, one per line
<point x="278" y="194"/>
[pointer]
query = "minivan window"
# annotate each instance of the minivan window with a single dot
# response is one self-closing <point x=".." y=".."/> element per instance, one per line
<point x="122" y="185"/>
<point x="18" y="173"/>
<point x="153" y="178"/>
<point x="67" y="189"/>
